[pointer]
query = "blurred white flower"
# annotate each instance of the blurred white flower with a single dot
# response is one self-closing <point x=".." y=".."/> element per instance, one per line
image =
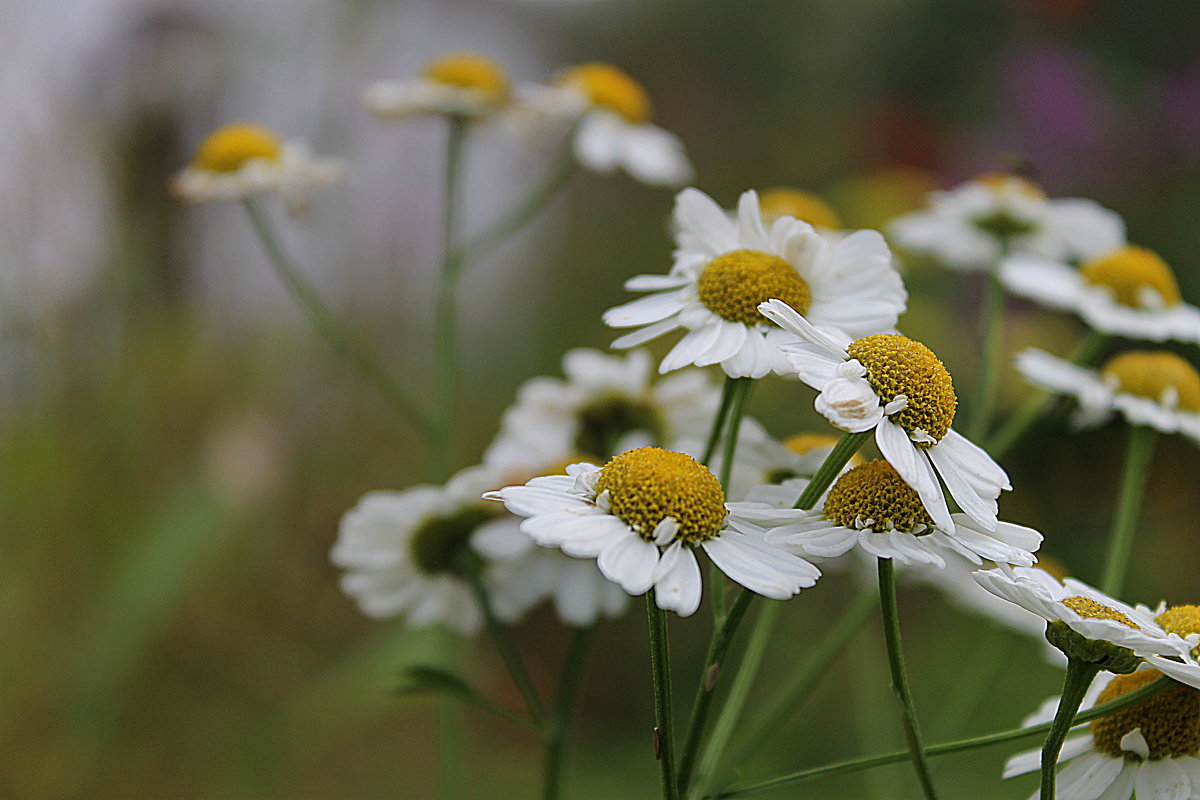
<point x="457" y="84"/>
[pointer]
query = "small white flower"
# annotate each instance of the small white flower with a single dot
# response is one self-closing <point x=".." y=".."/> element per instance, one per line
<point x="458" y="84"/>
<point x="241" y="160"/>
<point x="642" y="516"/>
<point x="1149" y="388"/>
<point x="725" y="267"/>
<point x="969" y="227"/>
<point x="899" y="388"/>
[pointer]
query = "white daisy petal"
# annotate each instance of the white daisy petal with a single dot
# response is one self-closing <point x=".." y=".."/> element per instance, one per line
<point x="629" y="561"/>
<point x="915" y="469"/>
<point x="677" y="581"/>
<point x="1163" y="779"/>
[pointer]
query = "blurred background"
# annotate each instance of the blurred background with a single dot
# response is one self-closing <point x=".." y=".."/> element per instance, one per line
<point x="177" y="444"/>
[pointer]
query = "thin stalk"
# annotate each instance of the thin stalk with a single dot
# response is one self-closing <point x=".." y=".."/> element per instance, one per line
<point x="831" y="468"/>
<point x="507" y="648"/>
<point x="1129" y="504"/>
<point x="1039" y="401"/>
<point x="735" y="702"/>
<point x="991" y="356"/>
<point x="568" y="690"/>
<point x="327" y="323"/>
<point x="1075" y="685"/>
<point x="1155" y="687"/>
<point x="520" y="215"/>
<point x="891" y="634"/>
<point x="660" y="667"/>
<point x="445" y="344"/>
<point x="728" y="389"/>
<point x="804" y="679"/>
<point x="738" y="400"/>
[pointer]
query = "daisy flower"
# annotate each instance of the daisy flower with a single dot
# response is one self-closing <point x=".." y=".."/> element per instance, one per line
<point x="970" y="227"/>
<point x="1080" y="616"/>
<point x="1129" y="291"/>
<point x="403" y="553"/>
<point x="1183" y="621"/>
<point x="642" y="516"/>
<point x="899" y="388"/>
<point x="242" y="160"/>
<point x="1150" y="750"/>
<point x="872" y="508"/>
<point x="724" y="268"/>
<point x="459" y="84"/>
<point x="606" y="405"/>
<point x="1149" y="388"/>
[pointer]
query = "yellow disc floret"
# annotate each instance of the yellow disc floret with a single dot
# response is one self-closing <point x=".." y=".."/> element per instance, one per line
<point x="227" y="149"/>
<point x="1090" y="609"/>
<point x="733" y="285"/>
<point x="1169" y="722"/>
<point x="874" y="496"/>
<point x="1182" y="621"/>
<point x="804" y="443"/>
<point x="1007" y="183"/>
<point x="610" y="88"/>
<point x="1137" y="277"/>
<point x="648" y="484"/>
<point x="782" y="201"/>
<point x="1158" y="375"/>
<point x="469" y="71"/>
<point x="897" y="365"/>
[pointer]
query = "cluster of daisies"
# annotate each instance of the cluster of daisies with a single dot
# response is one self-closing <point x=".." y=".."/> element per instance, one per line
<point x="603" y="484"/>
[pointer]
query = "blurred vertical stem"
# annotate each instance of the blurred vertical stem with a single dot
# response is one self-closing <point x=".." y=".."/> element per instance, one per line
<point x="451" y="767"/>
<point x="555" y="729"/>
<point x="1038" y="401"/>
<point x="1075" y="685"/>
<point x="739" y="390"/>
<point x="327" y="322"/>
<point x="509" y="653"/>
<point x="660" y="667"/>
<point x="445" y="345"/>
<point x="992" y="353"/>
<point x="1129" y="504"/>
<point x="891" y="635"/>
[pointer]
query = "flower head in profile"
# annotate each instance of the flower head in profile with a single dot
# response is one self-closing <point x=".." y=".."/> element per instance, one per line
<point x="1158" y="389"/>
<point x="870" y="507"/>
<point x="406" y="553"/>
<point x="642" y="516"/>
<point x="972" y="225"/>
<point x="898" y="388"/>
<point x="609" y="113"/>
<point x="1129" y="291"/>
<point x="242" y="160"/>
<point x="465" y="85"/>
<point x="724" y="268"/>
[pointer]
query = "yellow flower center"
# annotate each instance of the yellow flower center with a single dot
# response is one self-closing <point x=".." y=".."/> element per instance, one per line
<point x="469" y="71"/>
<point x="1007" y="183"/>
<point x="782" y="201"/>
<point x="804" y="443"/>
<point x="1137" y="277"/>
<point x="1090" y="609"/>
<point x="1170" y="722"/>
<point x="1158" y="375"/>
<point x="648" y="484"/>
<point x="874" y="497"/>
<point x="733" y="285"/>
<point x="1002" y="222"/>
<point x="438" y="543"/>
<point x="1182" y="621"/>
<point x="227" y="149"/>
<point x="897" y="365"/>
<point x="606" y="419"/>
<point x="611" y="88"/>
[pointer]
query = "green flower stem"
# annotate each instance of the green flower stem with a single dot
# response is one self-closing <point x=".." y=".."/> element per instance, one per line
<point x="738" y="400"/>
<point x="1038" y="402"/>
<point x="735" y="702"/>
<point x="1075" y="685"/>
<point x="991" y="356"/>
<point x="891" y="634"/>
<point x="1151" y="689"/>
<point x="660" y="667"/>
<point x="445" y="336"/>
<point x="1129" y="504"/>
<point x="728" y="389"/>
<point x="568" y="690"/>
<point x="507" y="648"/>
<point x="804" y="679"/>
<point x="831" y="468"/>
<point x="520" y="215"/>
<point x="327" y="322"/>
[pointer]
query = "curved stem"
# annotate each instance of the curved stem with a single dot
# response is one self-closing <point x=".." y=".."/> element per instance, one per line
<point x="728" y="389"/>
<point x="660" y="667"/>
<point x="1157" y="686"/>
<point x="1129" y="504"/>
<point x="991" y="355"/>
<point x="502" y="638"/>
<point x="327" y="323"/>
<point x="568" y="691"/>
<point x="831" y="468"/>
<point x="445" y="344"/>
<point x="739" y="397"/>
<point x="891" y="634"/>
<point x="1075" y="685"/>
